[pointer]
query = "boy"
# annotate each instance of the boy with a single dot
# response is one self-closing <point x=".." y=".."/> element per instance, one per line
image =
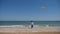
<point x="32" y="25"/>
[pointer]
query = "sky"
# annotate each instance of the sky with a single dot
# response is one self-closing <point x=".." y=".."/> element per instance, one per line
<point x="26" y="10"/>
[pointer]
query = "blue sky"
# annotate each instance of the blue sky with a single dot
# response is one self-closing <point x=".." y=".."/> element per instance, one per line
<point x="25" y="10"/>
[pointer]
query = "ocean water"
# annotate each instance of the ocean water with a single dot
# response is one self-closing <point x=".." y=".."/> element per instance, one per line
<point x="26" y="23"/>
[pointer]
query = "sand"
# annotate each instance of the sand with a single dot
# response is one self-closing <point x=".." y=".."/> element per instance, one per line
<point x="30" y="33"/>
<point x="40" y="30"/>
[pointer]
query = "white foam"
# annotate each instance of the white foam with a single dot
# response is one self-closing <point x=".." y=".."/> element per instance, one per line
<point x="35" y="26"/>
<point x="13" y="26"/>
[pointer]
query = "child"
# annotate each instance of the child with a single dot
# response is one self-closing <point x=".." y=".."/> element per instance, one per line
<point x="32" y="25"/>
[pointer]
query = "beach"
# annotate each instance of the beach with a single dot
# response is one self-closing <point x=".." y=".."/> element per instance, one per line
<point x="30" y="33"/>
<point x="21" y="27"/>
<point x="26" y="30"/>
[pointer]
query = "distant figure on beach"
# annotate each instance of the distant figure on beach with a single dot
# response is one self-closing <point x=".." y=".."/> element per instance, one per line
<point x="32" y="24"/>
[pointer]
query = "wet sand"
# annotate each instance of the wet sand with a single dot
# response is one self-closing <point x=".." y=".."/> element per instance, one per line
<point x="29" y="32"/>
<point x="41" y="30"/>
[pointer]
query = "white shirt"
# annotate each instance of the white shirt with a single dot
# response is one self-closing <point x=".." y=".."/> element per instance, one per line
<point x="32" y="23"/>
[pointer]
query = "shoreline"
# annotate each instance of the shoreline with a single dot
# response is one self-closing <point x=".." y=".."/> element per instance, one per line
<point x="26" y="30"/>
<point x="26" y="26"/>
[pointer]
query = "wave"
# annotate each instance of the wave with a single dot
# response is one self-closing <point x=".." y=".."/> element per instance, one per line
<point x="19" y="26"/>
<point x="26" y="26"/>
<point x="12" y="26"/>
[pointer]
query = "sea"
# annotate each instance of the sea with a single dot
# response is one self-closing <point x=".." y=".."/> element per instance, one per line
<point x="28" y="23"/>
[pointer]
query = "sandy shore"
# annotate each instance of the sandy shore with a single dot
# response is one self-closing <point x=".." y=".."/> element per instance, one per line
<point x="29" y="32"/>
<point x="40" y="30"/>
